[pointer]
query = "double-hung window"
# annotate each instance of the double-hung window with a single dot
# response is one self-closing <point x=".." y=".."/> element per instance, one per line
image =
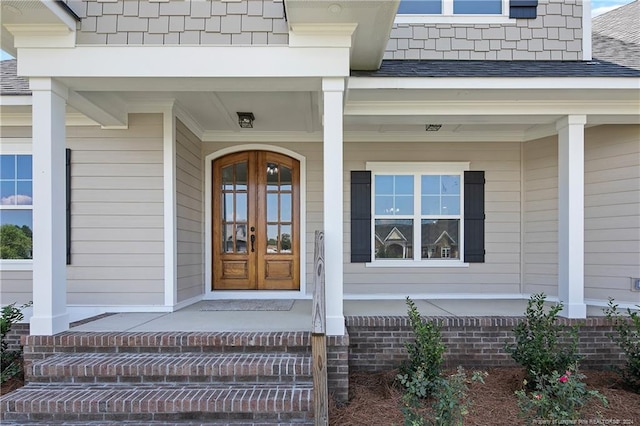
<point x="16" y="207"/>
<point x="418" y="214"/>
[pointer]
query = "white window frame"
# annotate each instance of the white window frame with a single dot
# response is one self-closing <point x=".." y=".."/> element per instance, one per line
<point x="417" y="169"/>
<point x="448" y="17"/>
<point x="17" y="264"/>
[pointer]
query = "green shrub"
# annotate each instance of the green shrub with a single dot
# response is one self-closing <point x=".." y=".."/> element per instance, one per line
<point x="542" y="345"/>
<point x="556" y="398"/>
<point x="628" y="338"/>
<point x="426" y="355"/>
<point x="450" y="401"/>
<point x="10" y="360"/>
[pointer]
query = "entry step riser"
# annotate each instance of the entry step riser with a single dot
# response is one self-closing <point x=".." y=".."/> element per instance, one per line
<point x="137" y="368"/>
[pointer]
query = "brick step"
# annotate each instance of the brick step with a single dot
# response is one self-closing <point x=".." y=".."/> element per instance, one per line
<point x="171" y="367"/>
<point x="239" y="403"/>
<point x="170" y="342"/>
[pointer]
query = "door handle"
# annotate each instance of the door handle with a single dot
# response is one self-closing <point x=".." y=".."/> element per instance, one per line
<point x="253" y="240"/>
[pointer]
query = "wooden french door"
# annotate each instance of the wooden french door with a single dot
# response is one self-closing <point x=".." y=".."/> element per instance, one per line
<point x="256" y="222"/>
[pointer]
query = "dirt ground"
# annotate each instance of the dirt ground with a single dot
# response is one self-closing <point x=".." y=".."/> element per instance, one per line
<point x="375" y="401"/>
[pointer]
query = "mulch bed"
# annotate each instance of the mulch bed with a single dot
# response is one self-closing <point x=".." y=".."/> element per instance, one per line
<point x="11" y="384"/>
<point x="375" y="401"/>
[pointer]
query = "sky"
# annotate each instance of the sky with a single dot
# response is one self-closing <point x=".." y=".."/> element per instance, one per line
<point x="598" y="7"/>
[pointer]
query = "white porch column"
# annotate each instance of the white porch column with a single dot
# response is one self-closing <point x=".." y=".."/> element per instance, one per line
<point x="571" y="215"/>
<point x="333" y="91"/>
<point x="49" y="207"/>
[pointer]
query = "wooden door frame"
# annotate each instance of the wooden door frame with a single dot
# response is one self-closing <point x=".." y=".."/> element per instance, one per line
<point x="208" y="272"/>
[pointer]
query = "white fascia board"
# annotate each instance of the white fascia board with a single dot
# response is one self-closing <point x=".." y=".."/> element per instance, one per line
<point x="26" y="120"/>
<point x="107" y="109"/>
<point x="184" y="61"/>
<point x="503" y="107"/>
<point x="15" y="100"/>
<point x="497" y="83"/>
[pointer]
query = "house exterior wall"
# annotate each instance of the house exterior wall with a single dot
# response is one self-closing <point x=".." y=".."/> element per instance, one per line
<point x="117" y="214"/>
<point x="540" y="224"/>
<point x="612" y="212"/>
<point x="189" y="211"/>
<point x="501" y="271"/>
<point x="612" y="208"/>
<point x="188" y="22"/>
<point x="556" y="34"/>
<point x="15" y="285"/>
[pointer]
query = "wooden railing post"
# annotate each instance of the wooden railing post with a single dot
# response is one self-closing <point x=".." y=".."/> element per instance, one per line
<point x="319" y="338"/>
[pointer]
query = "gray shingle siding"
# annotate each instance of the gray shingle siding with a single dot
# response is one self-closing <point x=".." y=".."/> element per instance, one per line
<point x="559" y="22"/>
<point x="134" y="22"/>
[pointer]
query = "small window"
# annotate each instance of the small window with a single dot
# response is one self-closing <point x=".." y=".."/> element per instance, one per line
<point x="451" y="7"/>
<point x="417" y="213"/>
<point x="16" y="207"/>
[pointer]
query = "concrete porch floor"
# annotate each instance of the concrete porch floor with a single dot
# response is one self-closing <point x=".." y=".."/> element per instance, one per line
<point x="194" y="319"/>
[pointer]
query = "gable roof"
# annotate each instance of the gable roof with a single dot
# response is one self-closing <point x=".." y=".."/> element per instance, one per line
<point x="616" y="35"/>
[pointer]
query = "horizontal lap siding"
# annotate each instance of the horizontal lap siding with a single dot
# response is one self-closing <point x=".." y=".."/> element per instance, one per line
<point x="612" y="212"/>
<point x="189" y="187"/>
<point x="15" y="287"/>
<point x="501" y="271"/>
<point x="117" y="239"/>
<point x="540" y="166"/>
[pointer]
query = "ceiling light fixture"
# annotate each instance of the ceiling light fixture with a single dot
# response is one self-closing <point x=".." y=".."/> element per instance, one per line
<point x="245" y="120"/>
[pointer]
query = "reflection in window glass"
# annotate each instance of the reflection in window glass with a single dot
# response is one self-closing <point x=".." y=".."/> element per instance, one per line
<point x="440" y="239"/>
<point x="440" y="194"/>
<point x="241" y="176"/>
<point x="16" y="200"/>
<point x="394" y="238"/>
<point x="285" y="239"/>
<point x="286" y="178"/>
<point x="272" y="238"/>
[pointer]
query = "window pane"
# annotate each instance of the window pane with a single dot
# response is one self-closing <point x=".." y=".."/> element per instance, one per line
<point x="241" y="238"/>
<point x="286" y="178"/>
<point x="404" y="185"/>
<point x="285" y="239"/>
<point x="450" y="205"/>
<point x="430" y="185"/>
<point x="450" y="184"/>
<point x="473" y="7"/>
<point x="419" y="7"/>
<point x="241" y="176"/>
<point x="272" y="176"/>
<point x="272" y="207"/>
<point x="241" y="206"/>
<point x="404" y="204"/>
<point x="227" y="207"/>
<point x="16" y="235"/>
<point x="272" y="238"/>
<point x="7" y="166"/>
<point x="25" y="192"/>
<point x="227" y="178"/>
<point x="8" y="192"/>
<point x="24" y="167"/>
<point x="384" y="205"/>
<point x="384" y="185"/>
<point x="430" y="205"/>
<point x="285" y="207"/>
<point x="394" y="238"/>
<point x="440" y="239"/>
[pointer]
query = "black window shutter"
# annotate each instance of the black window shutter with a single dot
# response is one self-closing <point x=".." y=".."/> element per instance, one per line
<point x="474" y="216"/>
<point x="360" y="216"/>
<point x="523" y="9"/>
<point x="68" y="203"/>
